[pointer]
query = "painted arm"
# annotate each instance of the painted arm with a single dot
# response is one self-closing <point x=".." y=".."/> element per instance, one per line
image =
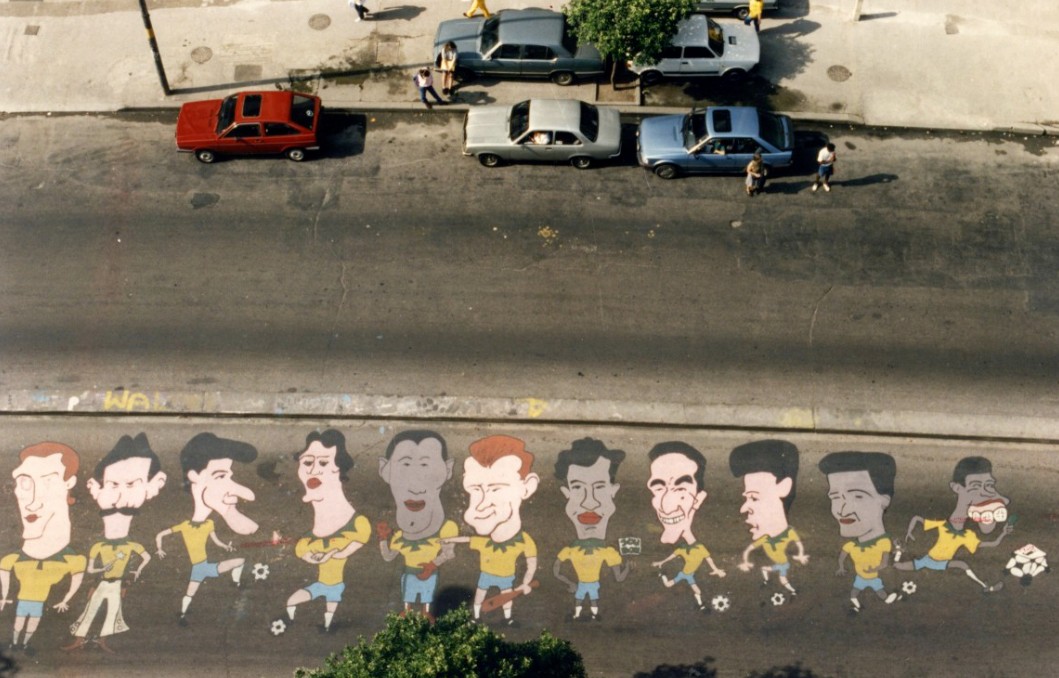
<point x="801" y="556"/>
<point x="745" y="566"/>
<point x="75" y="583"/>
<point x="916" y="520"/>
<point x="102" y="568"/>
<point x="842" y="557"/>
<point x="353" y="547"/>
<point x="531" y="569"/>
<point x="5" y="583"/>
<point x="621" y="571"/>
<point x="158" y="541"/>
<point x="557" y="572"/>
<point x="714" y="570"/>
<point x="145" y="558"/>
<point x="1008" y="529"/>
<point x="216" y="540"/>
<point x="660" y="563"/>
<point x="388" y="554"/>
<point x="447" y="553"/>
<point x="456" y="540"/>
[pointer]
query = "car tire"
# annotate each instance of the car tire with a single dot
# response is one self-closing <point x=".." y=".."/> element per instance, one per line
<point x="648" y="78"/>
<point x="489" y="159"/>
<point x="667" y="171"/>
<point x="205" y="155"/>
<point x="742" y="13"/>
<point x="296" y="154"/>
<point x="464" y="75"/>
<point x="581" y="161"/>
<point x="563" y="78"/>
<point x="735" y="75"/>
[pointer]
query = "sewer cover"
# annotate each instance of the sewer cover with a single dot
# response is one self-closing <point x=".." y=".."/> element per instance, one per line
<point x="201" y="55"/>
<point x="839" y="73"/>
<point x="319" y="22"/>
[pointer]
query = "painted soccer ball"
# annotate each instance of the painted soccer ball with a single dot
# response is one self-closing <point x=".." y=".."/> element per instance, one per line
<point x="721" y="603"/>
<point x="778" y="599"/>
<point x="278" y="627"/>
<point x="260" y="571"/>
<point x="908" y="588"/>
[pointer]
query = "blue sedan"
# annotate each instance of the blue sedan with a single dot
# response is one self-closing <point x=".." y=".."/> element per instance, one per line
<point x="714" y="140"/>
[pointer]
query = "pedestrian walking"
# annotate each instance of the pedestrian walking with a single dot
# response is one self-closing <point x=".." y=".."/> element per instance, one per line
<point x="753" y="14"/>
<point x="425" y="83"/>
<point x="826" y="159"/>
<point x="755" y="175"/>
<point x="446" y="63"/>
<point x="475" y="6"/>
<point x="358" y="6"/>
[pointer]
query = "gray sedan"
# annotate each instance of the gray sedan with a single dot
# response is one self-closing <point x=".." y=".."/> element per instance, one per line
<point x="524" y="43"/>
<point x="543" y="130"/>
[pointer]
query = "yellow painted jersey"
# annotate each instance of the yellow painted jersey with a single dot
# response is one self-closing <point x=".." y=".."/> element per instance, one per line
<point x="332" y="570"/>
<point x="36" y="577"/>
<point x="869" y="554"/>
<point x="195" y="536"/>
<point x="118" y="553"/>
<point x="776" y="549"/>
<point x="499" y="559"/>
<point x="950" y="540"/>
<point x="588" y="563"/>
<point x="420" y="552"/>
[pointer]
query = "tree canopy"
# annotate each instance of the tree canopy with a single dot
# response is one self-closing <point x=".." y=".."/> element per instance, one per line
<point x="627" y="29"/>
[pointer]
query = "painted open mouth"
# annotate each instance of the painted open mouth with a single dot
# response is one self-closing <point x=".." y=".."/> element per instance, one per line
<point x="589" y="518"/>
<point x="847" y="521"/>
<point x="671" y="520"/>
<point x="313" y="483"/>
<point x="415" y="504"/>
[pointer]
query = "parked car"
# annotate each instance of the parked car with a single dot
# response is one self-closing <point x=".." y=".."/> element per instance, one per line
<point x="736" y="7"/>
<point x="523" y="43"/>
<point x="713" y="140"/>
<point x="543" y="130"/>
<point x="250" y="123"/>
<point x="704" y="47"/>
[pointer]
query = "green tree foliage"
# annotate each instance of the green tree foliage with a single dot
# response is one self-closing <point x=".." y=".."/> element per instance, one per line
<point x="453" y="647"/>
<point x="627" y="29"/>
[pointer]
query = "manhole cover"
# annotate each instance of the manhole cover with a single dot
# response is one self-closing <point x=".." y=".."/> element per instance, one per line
<point x="319" y="22"/>
<point x="201" y="55"/>
<point x="839" y="73"/>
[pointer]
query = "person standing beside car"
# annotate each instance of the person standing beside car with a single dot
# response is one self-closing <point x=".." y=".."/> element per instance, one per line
<point x="755" y="175"/>
<point x="446" y="63"/>
<point x="753" y="14"/>
<point x="826" y="159"/>
<point x="425" y="83"/>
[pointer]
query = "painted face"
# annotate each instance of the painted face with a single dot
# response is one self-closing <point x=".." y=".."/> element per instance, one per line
<point x="763" y="503"/>
<point x="590" y="498"/>
<point x="985" y="506"/>
<point x="42" y="494"/>
<point x="415" y="473"/>
<point x="675" y="495"/>
<point x="496" y="494"/>
<point x="215" y="487"/>
<point x="125" y="487"/>
<point x="320" y="475"/>
<point x="856" y="505"/>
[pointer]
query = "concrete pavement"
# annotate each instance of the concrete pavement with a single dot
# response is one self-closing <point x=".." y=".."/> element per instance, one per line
<point x="945" y="64"/>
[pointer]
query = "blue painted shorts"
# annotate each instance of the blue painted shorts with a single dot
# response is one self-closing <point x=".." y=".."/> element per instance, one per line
<point x="413" y="587"/>
<point x="928" y="563"/>
<point x="860" y="583"/>
<point x="590" y="589"/>
<point x="684" y="576"/>
<point x="332" y="593"/>
<point x="503" y="583"/>
<point x="29" y="608"/>
<point x="202" y="571"/>
<point x="781" y="569"/>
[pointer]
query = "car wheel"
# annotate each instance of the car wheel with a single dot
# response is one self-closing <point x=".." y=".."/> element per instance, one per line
<point x="563" y="78"/>
<point x="581" y="162"/>
<point x="734" y="75"/>
<point x="648" y="78"/>
<point x="205" y="155"/>
<point x="296" y="154"/>
<point x="743" y="13"/>
<point x="489" y="159"/>
<point x="667" y="172"/>
<point x="464" y="74"/>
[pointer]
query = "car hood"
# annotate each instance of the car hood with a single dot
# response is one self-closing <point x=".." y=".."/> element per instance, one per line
<point x="741" y="45"/>
<point x="661" y="135"/>
<point x="197" y="121"/>
<point x="463" y="32"/>
<point x="488" y="125"/>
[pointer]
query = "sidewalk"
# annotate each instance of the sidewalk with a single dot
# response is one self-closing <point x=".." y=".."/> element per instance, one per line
<point x="953" y="64"/>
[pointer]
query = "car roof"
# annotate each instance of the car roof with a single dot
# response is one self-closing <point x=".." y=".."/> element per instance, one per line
<point x="555" y="114"/>
<point x="743" y="121"/>
<point x="275" y="105"/>
<point x="692" y="30"/>
<point x="530" y="27"/>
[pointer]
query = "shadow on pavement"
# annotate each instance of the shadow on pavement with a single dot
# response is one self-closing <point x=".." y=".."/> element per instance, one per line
<point x="401" y="13"/>
<point x="704" y="669"/>
<point x="868" y="180"/>
<point x="452" y="598"/>
<point x="341" y="134"/>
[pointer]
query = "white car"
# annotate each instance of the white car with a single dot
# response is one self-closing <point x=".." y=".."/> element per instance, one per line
<point x="704" y="47"/>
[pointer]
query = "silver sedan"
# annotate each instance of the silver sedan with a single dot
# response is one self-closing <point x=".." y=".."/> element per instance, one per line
<point x="543" y="130"/>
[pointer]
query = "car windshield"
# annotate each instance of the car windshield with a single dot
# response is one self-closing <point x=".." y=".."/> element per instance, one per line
<point x="589" y="121"/>
<point x="771" y="129"/>
<point x="519" y="119"/>
<point x="715" y="34"/>
<point x="490" y="35"/>
<point x="302" y="111"/>
<point x="226" y="114"/>
<point x="694" y="129"/>
<point x="569" y="41"/>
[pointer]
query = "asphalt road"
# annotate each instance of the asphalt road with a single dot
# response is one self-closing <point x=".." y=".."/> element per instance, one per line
<point x="392" y="265"/>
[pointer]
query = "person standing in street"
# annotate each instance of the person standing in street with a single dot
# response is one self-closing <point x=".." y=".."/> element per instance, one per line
<point x="361" y="10"/>
<point x="475" y="6"/>
<point x="826" y="161"/>
<point x="755" y="175"/>
<point x="447" y="65"/>
<point x="425" y="82"/>
<point x="753" y="14"/>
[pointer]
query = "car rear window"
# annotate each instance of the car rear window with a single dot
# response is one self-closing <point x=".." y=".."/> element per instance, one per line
<point x="569" y="41"/>
<point x="589" y="121"/>
<point x="251" y="105"/>
<point x="226" y="114"/>
<point x="302" y="109"/>
<point x="519" y="119"/>
<point x="771" y="129"/>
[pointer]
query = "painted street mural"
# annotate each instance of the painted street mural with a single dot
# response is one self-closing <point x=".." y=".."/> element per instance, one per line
<point x="624" y="527"/>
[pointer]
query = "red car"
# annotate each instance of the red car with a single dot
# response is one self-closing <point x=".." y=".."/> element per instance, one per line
<point x="250" y="123"/>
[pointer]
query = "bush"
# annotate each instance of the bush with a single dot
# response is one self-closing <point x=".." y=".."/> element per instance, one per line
<point x="453" y="647"/>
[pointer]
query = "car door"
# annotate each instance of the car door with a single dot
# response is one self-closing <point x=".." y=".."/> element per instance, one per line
<point x="505" y="60"/>
<point x="537" y="146"/>
<point x="741" y="151"/>
<point x="244" y="137"/>
<point x="537" y="61"/>
<point x="280" y="135"/>
<point x="699" y="60"/>
<point x="715" y="155"/>
<point x="669" y="64"/>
